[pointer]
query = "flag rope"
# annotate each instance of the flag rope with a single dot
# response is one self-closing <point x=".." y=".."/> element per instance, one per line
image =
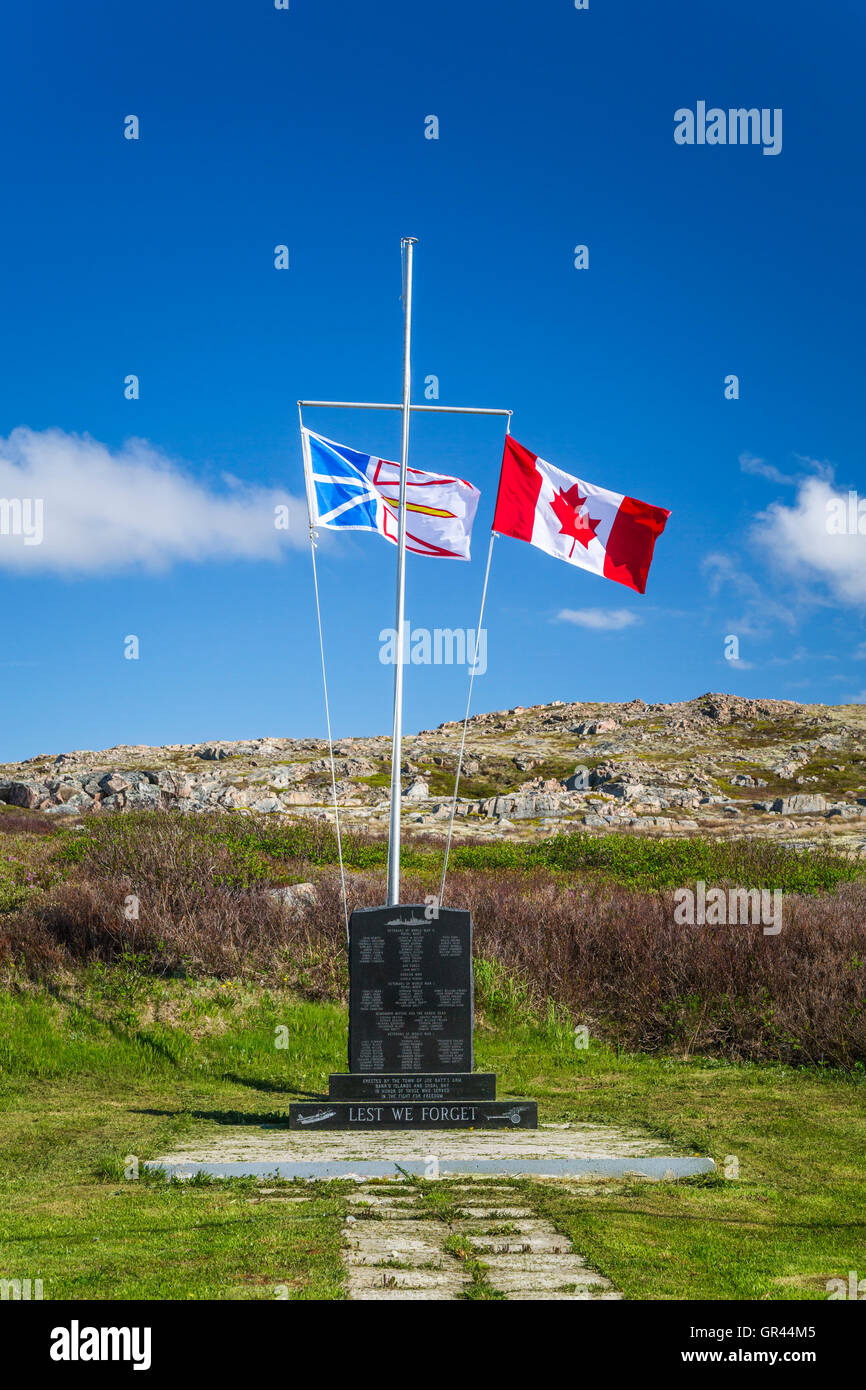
<point x="325" y="684"/>
<point x="472" y="669"/>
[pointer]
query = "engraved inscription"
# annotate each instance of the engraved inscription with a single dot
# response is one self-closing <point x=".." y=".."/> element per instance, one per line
<point x="371" y="948"/>
<point x="410" y="990"/>
<point x="371" y="1056"/>
<point x="413" y="1086"/>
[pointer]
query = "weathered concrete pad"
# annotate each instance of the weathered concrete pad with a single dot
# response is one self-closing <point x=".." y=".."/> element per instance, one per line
<point x="577" y="1151"/>
<point x="554" y="1151"/>
<point x="669" y="1167"/>
<point x="261" y="1144"/>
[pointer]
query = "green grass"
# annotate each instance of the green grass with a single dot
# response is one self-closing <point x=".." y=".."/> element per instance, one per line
<point x="84" y="1086"/>
<point x="627" y="859"/>
<point x="263" y="850"/>
<point x="478" y="1287"/>
<point x="175" y="1241"/>
<point x="113" y="1066"/>
<point x="794" y="1218"/>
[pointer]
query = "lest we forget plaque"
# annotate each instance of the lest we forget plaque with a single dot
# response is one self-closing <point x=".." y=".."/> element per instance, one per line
<point x="410" y="1031"/>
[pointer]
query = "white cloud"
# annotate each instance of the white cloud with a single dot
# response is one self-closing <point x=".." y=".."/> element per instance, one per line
<point x="802" y="654"/>
<point x="599" y="619"/>
<point x="759" y="468"/>
<point x="797" y="538"/>
<point x="756" y="610"/>
<point x="105" y="509"/>
<point x="721" y="569"/>
<point x="822" y="467"/>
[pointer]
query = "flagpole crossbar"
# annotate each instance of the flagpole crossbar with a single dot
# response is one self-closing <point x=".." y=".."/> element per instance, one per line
<point x="377" y="405"/>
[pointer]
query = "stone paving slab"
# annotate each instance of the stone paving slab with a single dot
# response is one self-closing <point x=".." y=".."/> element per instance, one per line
<point x="540" y="1265"/>
<point x="541" y="1243"/>
<point x="363" y="1295"/>
<point x="485" y="1214"/>
<point x="526" y="1225"/>
<point x="487" y="1188"/>
<point x="381" y="1199"/>
<point x="413" y="1243"/>
<point x="554" y="1296"/>
<point x="391" y="1214"/>
<point x="564" y="1274"/>
<point x="394" y="1280"/>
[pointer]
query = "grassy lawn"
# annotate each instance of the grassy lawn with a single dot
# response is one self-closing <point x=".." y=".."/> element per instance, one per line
<point x="115" y="1064"/>
<point x="794" y="1218"/>
<point x="84" y="1086"/>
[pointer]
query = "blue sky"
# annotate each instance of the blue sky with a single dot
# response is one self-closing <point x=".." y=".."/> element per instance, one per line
<point x="260" y="127"/>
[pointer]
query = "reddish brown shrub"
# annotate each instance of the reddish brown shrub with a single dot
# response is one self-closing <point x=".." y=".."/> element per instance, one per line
<point x="610" y="957"/>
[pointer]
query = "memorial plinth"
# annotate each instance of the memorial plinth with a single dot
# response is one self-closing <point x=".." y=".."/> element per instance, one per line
<point x="410" y="1031"/>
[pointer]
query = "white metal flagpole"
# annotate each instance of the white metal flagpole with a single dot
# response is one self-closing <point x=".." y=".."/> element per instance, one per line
<point x="408" y="245"/>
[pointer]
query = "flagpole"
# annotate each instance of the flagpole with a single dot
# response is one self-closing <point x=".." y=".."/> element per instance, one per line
<point x="393" y="897"/>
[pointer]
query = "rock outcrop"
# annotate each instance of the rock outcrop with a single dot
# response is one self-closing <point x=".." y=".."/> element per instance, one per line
<point x="661" y="768"/>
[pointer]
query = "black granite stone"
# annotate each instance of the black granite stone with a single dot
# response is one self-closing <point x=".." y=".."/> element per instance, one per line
<point x="313" y="1116"/>
<point x="410" y="990"/>
<point x="412" y="1086"/>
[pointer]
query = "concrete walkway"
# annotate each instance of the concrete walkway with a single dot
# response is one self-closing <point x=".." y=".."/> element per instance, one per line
<point x="489" y="1244"/>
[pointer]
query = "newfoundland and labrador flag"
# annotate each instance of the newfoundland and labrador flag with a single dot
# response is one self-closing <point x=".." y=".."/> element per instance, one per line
<point x="350" y="491"/>
<point x="574" y="520"/>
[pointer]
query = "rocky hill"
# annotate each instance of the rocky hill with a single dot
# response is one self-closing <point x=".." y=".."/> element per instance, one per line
<point x="718" y="764"/>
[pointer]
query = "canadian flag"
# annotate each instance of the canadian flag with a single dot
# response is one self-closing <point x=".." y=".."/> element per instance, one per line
<point x="574" y="520"/>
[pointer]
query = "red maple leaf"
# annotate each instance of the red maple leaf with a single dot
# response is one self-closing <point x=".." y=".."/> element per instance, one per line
<point x="567" y="509"/>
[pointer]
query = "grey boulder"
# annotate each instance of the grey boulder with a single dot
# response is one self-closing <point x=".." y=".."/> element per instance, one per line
<point x="802" y="804"/>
